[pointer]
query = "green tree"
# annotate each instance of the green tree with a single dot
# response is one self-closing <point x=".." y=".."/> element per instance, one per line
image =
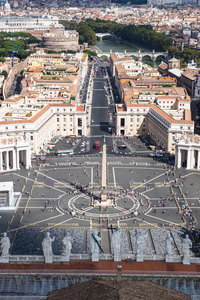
<point x="90" y="53"/>
<point x="88" y="34"/>
<point x="2" y="59"/>
<point x="188" y="54"/>
<point x="81" y="39"/>
<point x="173" y="51"/>
<point x="5" y="73"/>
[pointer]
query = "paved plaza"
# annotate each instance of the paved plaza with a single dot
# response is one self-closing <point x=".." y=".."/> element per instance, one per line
<point x="62" y="194"/>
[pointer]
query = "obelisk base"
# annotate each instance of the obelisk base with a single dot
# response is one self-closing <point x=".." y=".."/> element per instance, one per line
<point x="103" y="196"/>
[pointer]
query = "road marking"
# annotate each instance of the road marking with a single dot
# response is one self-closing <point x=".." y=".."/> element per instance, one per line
<point x="53" y="179"/>
<point x="36" y="222"/>
<point x="91" y="175"/>
<point x="51" y="187"/>
<point x="99" y="107"/>
<point x="143" y="221"/>
<point x="56" y="225"/>
<point x="149" y="181"/>
<point x="166" y="221"/>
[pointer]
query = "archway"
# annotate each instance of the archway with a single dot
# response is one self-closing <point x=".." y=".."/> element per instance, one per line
<point x="146" y="58"/>
<point x="160" y="58"/>
<point x="134" y="57"/>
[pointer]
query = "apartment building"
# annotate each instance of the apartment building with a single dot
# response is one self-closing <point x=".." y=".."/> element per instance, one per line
<point x="152" y="105"/>
<point x="47" y="106"/>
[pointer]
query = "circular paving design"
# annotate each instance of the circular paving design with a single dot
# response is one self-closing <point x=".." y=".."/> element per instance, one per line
<point x="125" y="207"/>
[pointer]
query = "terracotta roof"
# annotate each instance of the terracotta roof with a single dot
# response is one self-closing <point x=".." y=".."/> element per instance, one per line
<point x="80" y="108"/>
<point x="160" y="112"/>
<point x="13" y="99"/>
<point x="38" y="114"/>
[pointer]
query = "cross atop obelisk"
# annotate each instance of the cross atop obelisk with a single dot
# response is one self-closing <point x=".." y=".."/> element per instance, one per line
<point x="104" y="172"/>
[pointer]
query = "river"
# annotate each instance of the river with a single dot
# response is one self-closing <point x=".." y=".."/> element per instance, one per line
<point x="106" y="45"/>
<point x="115" y="46"/>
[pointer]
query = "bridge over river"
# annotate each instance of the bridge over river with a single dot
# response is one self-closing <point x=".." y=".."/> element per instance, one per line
<point x="138" y="55"/>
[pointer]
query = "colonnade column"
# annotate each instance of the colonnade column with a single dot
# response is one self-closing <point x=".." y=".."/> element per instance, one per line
<point x="179" y="159"/>
<point x="198" y="160"/>
<point x="7" y="160"/>
<point x="188" y="159"/>
<point x="1" y="162"/>
<point x="14" y="159"/>
<point x="192" y="159"/>
<point x="28" y="159"/>
<point x="17" y="159"/>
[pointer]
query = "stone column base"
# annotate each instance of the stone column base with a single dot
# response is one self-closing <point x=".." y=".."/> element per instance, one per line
<point x="95" y="256"/>
<point x="169" y="258"/>
<point x="48" y="259"/>
<point x="117" y="257"/>
<point x="65" y="258"/>
<point x="186" y="261"/>
<point x="4" y="259"/>
<point x="139" y="258"/>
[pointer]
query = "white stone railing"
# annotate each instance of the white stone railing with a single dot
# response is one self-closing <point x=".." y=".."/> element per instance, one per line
<point x="87" y="257"/>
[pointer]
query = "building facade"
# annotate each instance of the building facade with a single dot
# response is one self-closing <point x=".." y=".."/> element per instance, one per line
<point x="188" y="151"/>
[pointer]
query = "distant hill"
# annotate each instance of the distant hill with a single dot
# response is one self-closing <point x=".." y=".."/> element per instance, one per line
<point x="137" y="2"/>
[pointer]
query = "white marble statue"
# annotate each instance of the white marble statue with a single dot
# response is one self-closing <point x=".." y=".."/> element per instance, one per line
<point x="186" y="246"/>
<point x="94" y="245"/>
<point x="5" y="245"/>
<point x="67" y="245"/>
<point x="140" y="242"/>
<point x="47" y="245"/>
<point x="116" y="241"/>
<point x="169" y="243"/>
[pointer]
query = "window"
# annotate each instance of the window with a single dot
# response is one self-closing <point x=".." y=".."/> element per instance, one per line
<point x="122" y="122"/>
<point x="64" y="119"/>
<point x="57" y="119"/>
<point x="131" y="119"/>
<point x="23" y="127"/>
<point x="188" y="127"/>
<point x="138" y="119"/>
<point x="79" y="122"/>
<point x="6" y="128"/>
<point x="15" y="127"/>
<point x="70" y="119"/>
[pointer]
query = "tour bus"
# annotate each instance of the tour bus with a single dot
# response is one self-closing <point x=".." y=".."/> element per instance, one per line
<point x="97" y="145"/>
<point x="64" y="152"/>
